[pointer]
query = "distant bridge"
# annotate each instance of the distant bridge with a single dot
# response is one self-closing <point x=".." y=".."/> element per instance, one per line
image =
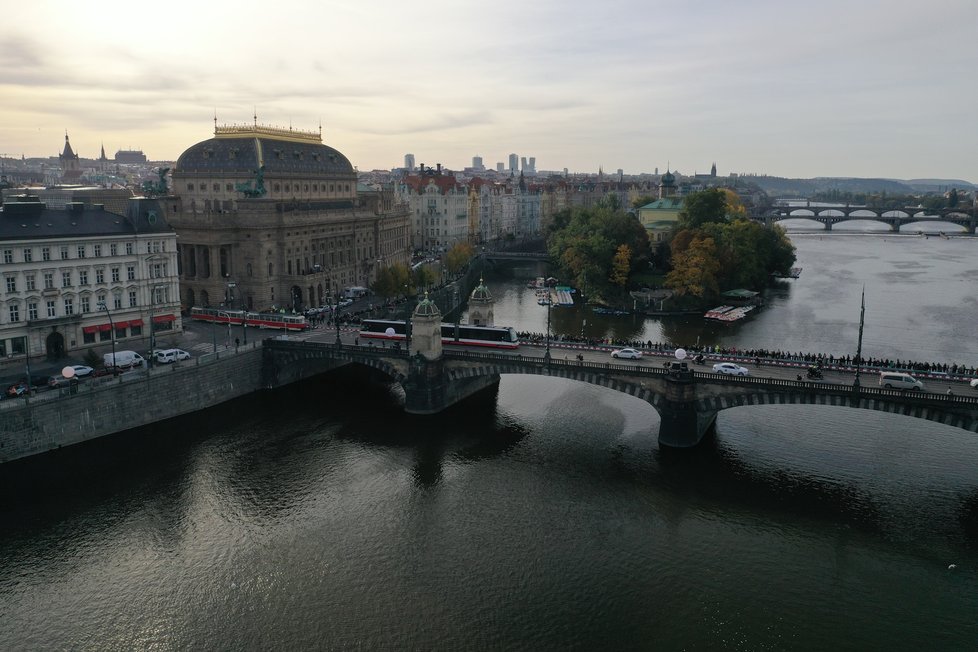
<point x="515" y="255"/>
<point x="687" y="401"/>
<point x="893" y="217"/>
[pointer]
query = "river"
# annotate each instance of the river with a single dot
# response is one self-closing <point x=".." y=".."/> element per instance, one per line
<point x="539" y="516"/>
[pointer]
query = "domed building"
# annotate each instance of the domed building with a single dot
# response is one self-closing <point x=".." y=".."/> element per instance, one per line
<point x="273" y="218"/>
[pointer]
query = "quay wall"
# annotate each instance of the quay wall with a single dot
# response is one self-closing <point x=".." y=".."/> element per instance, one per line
<point x="104" y="406"/>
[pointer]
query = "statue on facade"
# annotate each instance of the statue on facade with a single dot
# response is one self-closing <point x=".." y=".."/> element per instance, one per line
<point x="259" y="188"/>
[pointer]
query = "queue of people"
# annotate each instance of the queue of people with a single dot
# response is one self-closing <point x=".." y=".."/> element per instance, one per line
<point x="762" y="356"/>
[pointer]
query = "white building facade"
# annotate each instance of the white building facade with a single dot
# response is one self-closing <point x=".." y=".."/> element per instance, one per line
<point x="81" y="277"/>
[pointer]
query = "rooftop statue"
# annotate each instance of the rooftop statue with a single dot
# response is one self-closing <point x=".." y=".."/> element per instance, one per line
<point x="258" y="190"/>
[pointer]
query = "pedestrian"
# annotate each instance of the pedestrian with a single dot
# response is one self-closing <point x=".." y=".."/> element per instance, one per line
<point x="237" y="342"/>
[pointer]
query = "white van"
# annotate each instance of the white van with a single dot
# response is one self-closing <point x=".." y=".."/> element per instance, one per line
<point x="355" y="292"/>
<point x="123" y="360"/>
<point x="896" y="380"/>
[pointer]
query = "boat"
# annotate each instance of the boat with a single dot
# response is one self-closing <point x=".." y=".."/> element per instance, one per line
<point x="735" y="314"/>
<point x="714" y="313"/>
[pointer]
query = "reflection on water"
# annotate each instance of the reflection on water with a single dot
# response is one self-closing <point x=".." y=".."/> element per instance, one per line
<point x="538" y="515"/>
<point x="919" y="303"/>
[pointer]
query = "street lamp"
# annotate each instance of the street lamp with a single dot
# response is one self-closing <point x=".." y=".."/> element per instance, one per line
<point x="228" y="317"/>
<point x="549" y="300"/>
<point x="101" y="306"/>
<point x="336" y="317"/>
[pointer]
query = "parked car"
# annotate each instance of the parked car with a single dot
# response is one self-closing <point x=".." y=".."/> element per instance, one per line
<point x="17" y="389"/>
<point x="82" y="370"/>
<point x="55" y="382"/>
<point x="974" y="382"/>
<point x="729" y="368"/>
<point x="166" y="356"/>
<point x="633" y="354"/>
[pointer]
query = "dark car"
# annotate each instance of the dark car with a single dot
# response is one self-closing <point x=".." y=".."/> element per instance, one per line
<point x="17" y="389"/>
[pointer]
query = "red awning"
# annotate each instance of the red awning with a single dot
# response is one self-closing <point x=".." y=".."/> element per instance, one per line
<point x="121" y="325"/>
<point x="105" y="327"/>
<point x="164" y="318"/>
<point x="136" y="322"/>
<point x="89" y="329"/>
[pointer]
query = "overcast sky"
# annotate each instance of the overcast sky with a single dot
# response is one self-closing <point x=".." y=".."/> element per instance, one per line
<point x="862" y="88"/>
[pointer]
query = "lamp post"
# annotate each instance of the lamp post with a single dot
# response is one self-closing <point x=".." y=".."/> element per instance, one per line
<point x="859" y="345"/>
<point x="228" y="317"/>
<point x="547" y="354"/>
<point x="101" y="306"/>
<point x="336" y="318"/>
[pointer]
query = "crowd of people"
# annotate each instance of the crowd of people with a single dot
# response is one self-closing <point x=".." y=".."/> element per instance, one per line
<point x="761" y="356"/>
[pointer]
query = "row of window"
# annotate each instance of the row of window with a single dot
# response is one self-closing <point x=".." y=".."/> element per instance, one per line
<point x="161" y="295"/>
<point x="228" y="187"/>
<point x="81" y="251"/>
<point x="156" y="270"/>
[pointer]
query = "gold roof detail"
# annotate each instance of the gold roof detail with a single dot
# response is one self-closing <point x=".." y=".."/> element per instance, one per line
<point x="257" y="131"/>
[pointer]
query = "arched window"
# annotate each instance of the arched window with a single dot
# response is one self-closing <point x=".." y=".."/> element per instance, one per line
<point x="269" y="270"/>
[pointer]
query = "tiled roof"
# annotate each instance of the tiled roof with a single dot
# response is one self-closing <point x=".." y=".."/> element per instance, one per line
<point x="23" y="220"/>
<point x="280" y="157"/>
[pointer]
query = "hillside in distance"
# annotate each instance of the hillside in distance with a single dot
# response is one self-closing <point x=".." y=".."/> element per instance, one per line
<point x="782" y="187"/>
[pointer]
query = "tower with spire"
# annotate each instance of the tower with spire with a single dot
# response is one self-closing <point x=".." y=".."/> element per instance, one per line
<point x="70" y="166"/>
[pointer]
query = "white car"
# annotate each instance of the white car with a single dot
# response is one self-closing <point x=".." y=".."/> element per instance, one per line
<point x="167" y="356"/>
<point x="82" y="370"/>
<point x="729" y="368"/>
<point x="974" y="382"/>
<point x="633" y="354"/>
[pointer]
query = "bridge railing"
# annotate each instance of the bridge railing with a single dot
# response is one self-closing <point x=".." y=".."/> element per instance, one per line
<point x="837" y="388"/>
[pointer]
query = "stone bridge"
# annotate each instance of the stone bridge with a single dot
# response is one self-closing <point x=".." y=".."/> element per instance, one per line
<point x="893" y="217"/>
<point x="686" y="401"/>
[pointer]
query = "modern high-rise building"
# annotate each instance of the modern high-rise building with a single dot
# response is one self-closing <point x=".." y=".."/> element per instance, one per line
<point x="532" y="166"/>
<point x="514" y="163"/>
<point x="409" y="162"/>
<point x="477" y="163"/>
<point x="500" y="167"/>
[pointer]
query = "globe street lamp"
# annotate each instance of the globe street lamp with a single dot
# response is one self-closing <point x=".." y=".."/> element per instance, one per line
<point x="101" y="306"/>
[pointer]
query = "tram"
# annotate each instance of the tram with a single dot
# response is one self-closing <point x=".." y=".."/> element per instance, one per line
<point x="497" y="337"/>
<point x="253" y="319"/>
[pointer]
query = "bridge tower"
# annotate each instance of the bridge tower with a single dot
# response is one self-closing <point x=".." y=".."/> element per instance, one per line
<point x="480" y="305"/>
<point x="426" y="329"/>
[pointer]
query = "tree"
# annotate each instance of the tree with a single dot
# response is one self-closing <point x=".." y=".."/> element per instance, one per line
<point x="392" y="281"/>
<point x="458" y="257"/>
<point x="701" y="208"/>
<point x="694" y="271"/>
<point x="620" y="265"/>
<point x="583" y="243"/>
<point x="424" y="277"/>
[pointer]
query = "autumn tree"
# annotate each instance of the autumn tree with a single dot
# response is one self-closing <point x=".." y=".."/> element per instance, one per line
<point x="584" y="241"/>
<point x="621" y="265"/>
<point x="694" y="270"/>
<point x="458" y="257"/>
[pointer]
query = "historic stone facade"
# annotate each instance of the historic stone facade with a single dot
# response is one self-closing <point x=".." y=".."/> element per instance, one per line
<point x="272" y="218"/>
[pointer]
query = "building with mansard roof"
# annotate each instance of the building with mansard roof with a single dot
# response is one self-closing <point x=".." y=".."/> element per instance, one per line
<point x="272" y="218"/>
<point x="59" y="267"/>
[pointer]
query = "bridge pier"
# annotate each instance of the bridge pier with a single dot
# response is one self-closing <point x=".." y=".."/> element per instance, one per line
<point x="426" y="390"/>
<point x="682" y="424"/>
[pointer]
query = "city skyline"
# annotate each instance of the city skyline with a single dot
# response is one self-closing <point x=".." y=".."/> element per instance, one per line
<point x="759" y="87"/>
